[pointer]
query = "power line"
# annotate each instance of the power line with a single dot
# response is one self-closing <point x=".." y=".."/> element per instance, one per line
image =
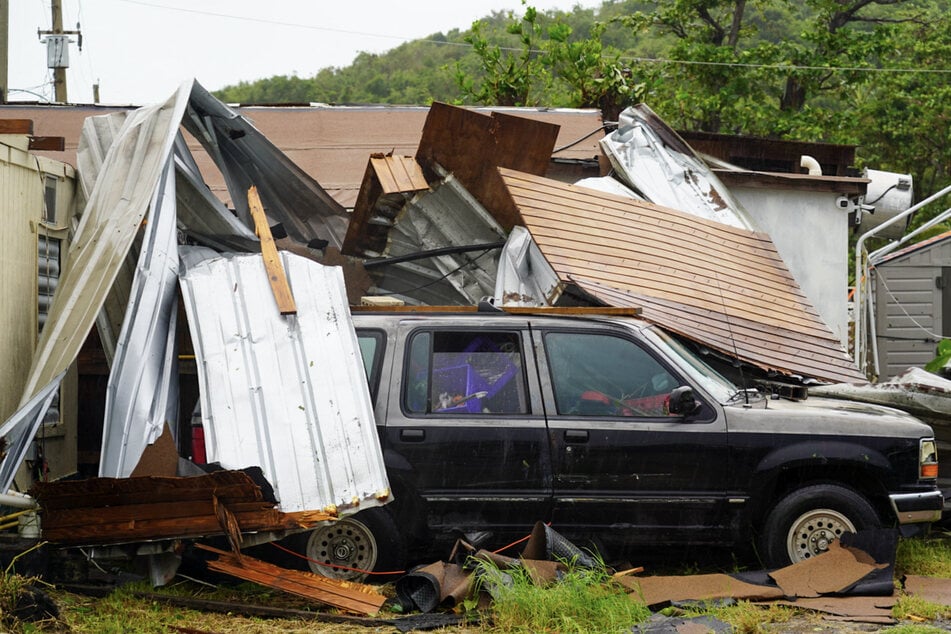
<point x="295" y="25"/>
<point x="641" y="60"/>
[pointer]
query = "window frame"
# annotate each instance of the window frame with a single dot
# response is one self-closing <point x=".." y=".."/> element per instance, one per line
<point x="521" y="378"/>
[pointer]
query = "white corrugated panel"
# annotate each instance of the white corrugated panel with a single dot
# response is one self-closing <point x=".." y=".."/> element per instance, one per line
<point x="142" y="396"/>
<point x="285" y="393"/>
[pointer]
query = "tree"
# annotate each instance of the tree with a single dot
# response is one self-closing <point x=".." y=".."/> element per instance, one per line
<point x="593" y="76"/>
<point x="510" y="75"/>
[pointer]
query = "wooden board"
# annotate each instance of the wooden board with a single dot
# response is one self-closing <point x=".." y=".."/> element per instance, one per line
<point x="346" y="595"/>
<point x="272" y="260"/>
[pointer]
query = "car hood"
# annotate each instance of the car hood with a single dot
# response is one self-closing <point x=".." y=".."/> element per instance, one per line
<point x="825" y="415"/>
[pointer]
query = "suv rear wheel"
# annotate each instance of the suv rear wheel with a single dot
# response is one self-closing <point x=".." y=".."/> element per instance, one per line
<point x="806" y="521"/>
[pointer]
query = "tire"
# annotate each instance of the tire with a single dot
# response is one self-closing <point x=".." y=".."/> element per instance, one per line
<point x="806" y="521"/>
<point x="367" y="541"/>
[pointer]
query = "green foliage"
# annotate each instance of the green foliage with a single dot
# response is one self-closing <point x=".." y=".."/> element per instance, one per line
<point x="943" y="358"/>
<point x="583" y="600"/>
<point x="746" y="617"/>
<point x="511" y="70"/>
<point x="929" y="557"/>
<point x="870" y="73"/>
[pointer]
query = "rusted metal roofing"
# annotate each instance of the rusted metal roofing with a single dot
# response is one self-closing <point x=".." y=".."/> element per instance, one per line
<point x="330" y="143"/>
<point x="470" y="145"/>
<point x="724" y="287"/>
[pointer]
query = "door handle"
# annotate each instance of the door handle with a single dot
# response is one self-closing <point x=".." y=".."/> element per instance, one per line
<point x="576" y="435"/>
<point x="412" y="435"/>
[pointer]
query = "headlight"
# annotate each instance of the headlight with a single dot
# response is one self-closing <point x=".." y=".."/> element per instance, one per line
<point x="927" y="459"/>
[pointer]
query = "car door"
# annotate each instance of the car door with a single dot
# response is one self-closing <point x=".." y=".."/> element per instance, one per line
<point x="465" y="430"/>
<point x="619" y="458"/>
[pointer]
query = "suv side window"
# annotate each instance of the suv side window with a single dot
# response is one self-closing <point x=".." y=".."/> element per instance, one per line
<point x="371" y="351"/>
<point x="465" y="373"/>
<point x="602" y="375"/>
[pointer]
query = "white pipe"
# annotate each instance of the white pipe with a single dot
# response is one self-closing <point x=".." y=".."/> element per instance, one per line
<point x="810" y="164"/>
<point x="17" y="500"/>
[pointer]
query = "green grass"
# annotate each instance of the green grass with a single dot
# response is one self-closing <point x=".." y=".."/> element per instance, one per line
<point x="581" y="601"/>
<point x="929" y="557"/>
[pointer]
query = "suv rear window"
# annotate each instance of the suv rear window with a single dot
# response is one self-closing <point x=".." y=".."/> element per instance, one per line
<point x="465" y="373"/>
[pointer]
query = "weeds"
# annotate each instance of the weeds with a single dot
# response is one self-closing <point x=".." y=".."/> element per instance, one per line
<point x="582" y="600"/>
<point x="930" y="557"/>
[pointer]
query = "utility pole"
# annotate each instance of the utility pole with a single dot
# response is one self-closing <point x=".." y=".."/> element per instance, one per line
<point x="57" y="49"/>
<point x="4" y="50"/>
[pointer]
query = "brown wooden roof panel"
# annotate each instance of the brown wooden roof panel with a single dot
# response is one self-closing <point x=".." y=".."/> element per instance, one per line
<point x="719" y="285"/>
<point x="766" y="346"/>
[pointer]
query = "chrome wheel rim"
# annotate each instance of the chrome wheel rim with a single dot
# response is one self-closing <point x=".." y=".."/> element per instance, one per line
<point x="814" y="531"/>
<point x="342" y="550"/>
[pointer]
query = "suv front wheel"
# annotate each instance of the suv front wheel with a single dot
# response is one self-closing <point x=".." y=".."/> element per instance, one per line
<point x="805" y="522"/>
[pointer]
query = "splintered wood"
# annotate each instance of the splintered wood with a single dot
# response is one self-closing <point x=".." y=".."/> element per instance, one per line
<point x="119" y="510"/>
<point x="346" y="595"/>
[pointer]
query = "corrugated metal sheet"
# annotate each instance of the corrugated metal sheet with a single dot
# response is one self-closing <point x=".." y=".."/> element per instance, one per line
<point x="649" y="156"/>
<point x="721" y="286"/>
<point x="246" y="157"/>
<point x="142" y="394"/>
<point x="447" y="216"/>
<point x="286" y="393"/>
<point x="18" y="430"/>
<point x="388" y="183"/>
<point x="525" y="277"/>
<point x="109" y="224"/>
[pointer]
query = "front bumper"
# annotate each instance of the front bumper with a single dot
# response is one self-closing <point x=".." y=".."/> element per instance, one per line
<point x="911" y="508"/>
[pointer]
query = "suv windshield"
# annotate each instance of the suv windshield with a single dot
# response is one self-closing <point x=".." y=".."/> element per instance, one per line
<point x="718" y="386"/>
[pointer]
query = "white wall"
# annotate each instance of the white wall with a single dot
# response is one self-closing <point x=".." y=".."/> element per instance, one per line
<point x="812" y="235"/>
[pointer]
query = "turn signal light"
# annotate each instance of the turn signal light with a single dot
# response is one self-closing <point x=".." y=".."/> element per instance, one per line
<point x="929" y="471"/>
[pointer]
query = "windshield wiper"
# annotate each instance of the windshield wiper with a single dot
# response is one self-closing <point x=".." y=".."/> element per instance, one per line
<point x="747" y="394"/>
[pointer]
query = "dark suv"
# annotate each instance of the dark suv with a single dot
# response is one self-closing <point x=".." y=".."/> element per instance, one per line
<point x="618" y="435"/>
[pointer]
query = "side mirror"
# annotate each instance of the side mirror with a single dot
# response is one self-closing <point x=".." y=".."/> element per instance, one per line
<point x="682" y="401"/>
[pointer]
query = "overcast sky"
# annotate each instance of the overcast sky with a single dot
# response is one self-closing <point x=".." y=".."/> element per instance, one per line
<point x="139" y="51"/>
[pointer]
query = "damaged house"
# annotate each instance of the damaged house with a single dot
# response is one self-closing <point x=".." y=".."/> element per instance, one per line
<point x="199" y="316"/>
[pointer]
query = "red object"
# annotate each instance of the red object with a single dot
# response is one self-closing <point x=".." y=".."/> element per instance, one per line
<point x="198" y="445"/>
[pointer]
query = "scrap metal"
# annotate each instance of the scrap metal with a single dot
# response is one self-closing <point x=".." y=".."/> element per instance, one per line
<point x="286" y="393"/>
<point x="651" y="158"/>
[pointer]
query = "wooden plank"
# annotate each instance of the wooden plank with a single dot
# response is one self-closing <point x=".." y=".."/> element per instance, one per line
<point x="16" y="126"/>
<point x="61" y="518"/>
<point x="48" y="143"/>
<point x="272" y="260"/>
<point x="164" y="528"/>
<point x="229" y="486"/>
<point x="345" y="595"/>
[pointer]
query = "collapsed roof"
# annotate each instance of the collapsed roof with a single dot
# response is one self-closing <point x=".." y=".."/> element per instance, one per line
<point x="698" y="271"/>
<point x="135" y="166"/>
